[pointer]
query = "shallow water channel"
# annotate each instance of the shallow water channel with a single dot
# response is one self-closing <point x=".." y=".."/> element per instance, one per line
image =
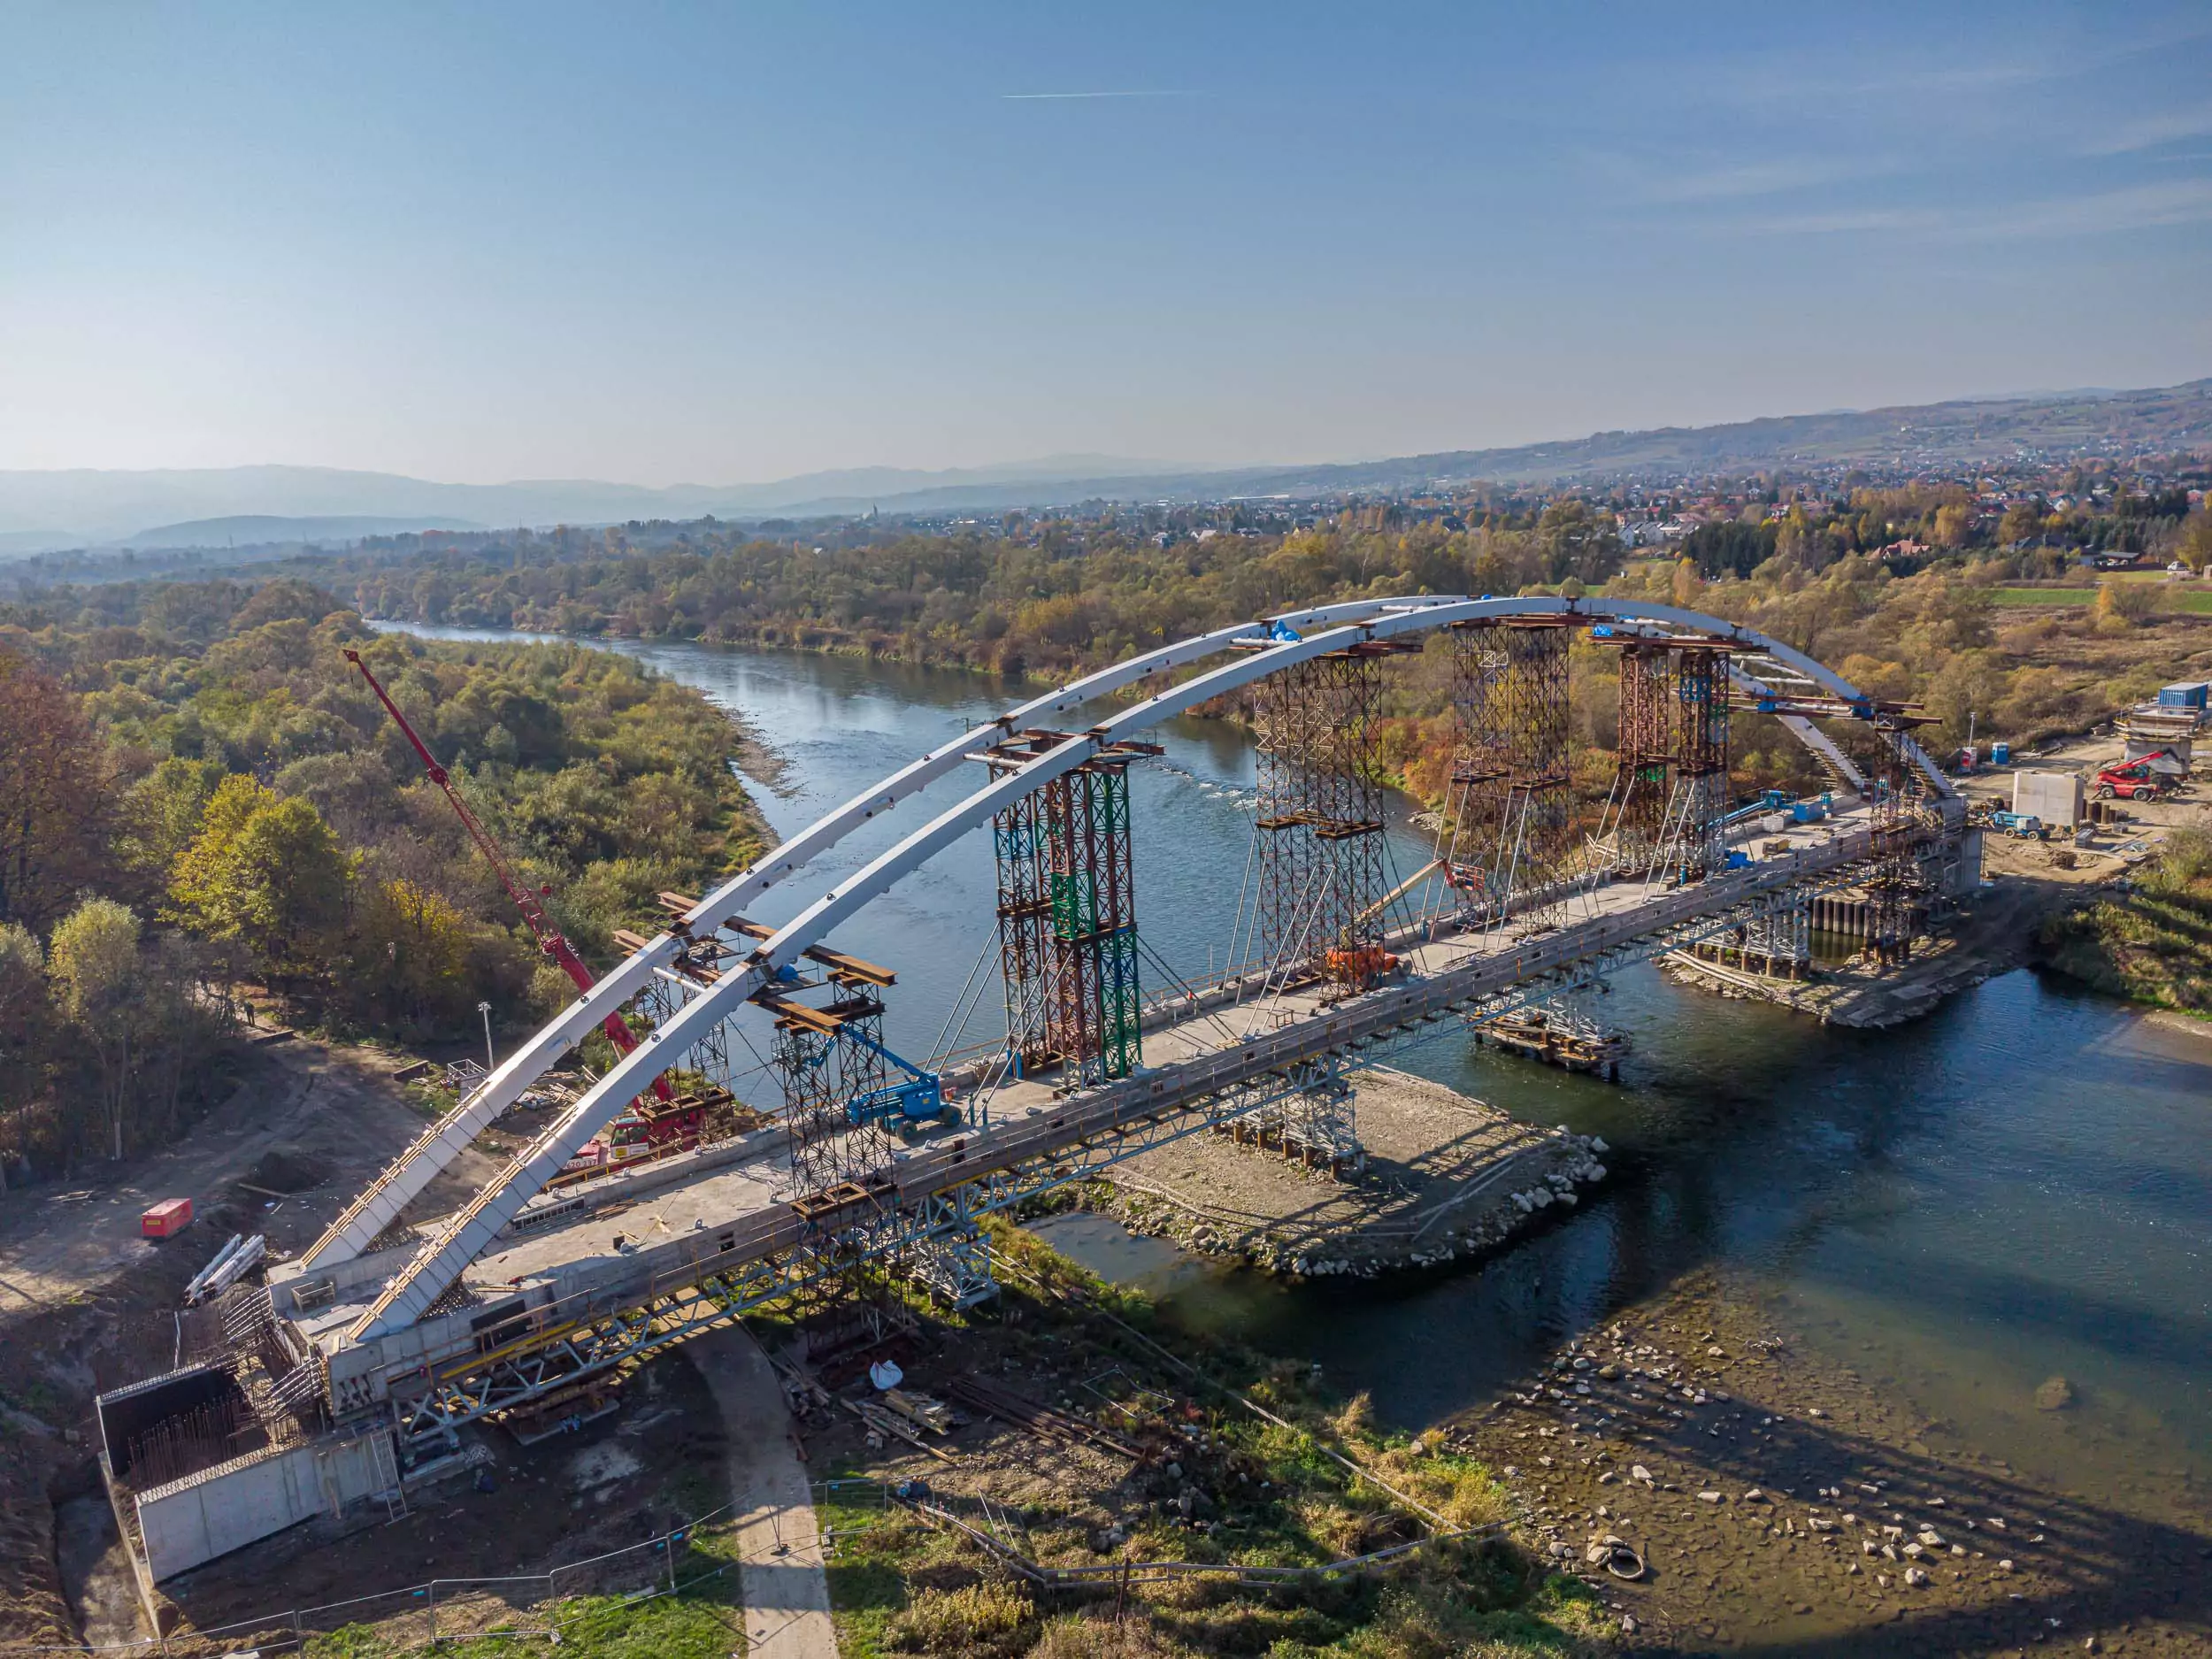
<point x="2018" y="1185"/>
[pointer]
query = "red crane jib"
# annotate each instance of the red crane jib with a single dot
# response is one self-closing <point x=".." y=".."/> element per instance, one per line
<point x="550" y="938"/>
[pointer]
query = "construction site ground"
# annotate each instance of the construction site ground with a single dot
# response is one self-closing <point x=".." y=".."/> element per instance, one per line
<point x="2025" y="881"/>
<point x="654" y="1467"/>
<point x="87" y="1304"/>
<point x="1440" y="1171"/>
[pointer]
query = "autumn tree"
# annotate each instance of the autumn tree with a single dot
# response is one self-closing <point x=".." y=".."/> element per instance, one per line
<point x="411" y="951"/>
<point x="26" y="1017"/>
<point x="54" y="797"/>
<point x="264" y="871"/>
<point x="94" y="961"/>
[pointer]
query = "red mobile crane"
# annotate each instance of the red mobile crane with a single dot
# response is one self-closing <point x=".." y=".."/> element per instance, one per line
<point x="640" y="1128"/>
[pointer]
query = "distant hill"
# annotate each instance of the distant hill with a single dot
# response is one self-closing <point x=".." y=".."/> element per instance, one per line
<point x="43" y="511"/>
<point x="105" y="508"/>
<point x="2046" y="425"/>
<point x="260" y="529"/>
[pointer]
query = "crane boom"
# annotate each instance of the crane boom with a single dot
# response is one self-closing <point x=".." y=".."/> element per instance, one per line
<point x="550" y="938"/>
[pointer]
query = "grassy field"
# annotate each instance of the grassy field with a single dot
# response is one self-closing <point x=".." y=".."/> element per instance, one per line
<point x="2181" y="599"/>
<point x="2152" y="942"/>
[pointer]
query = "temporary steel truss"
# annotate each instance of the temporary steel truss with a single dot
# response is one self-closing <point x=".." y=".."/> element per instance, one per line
<point x="700" y="963"/>
<point x="560" y="1349"/>
<point x="1897" y="890"/>
<point x="1067" y="915"/>
<point x="1509" y="825"/>
<point x="1643" y="770"/>
<point x="826" y="1055"/>
<point x="1321" y="846"/>
<point x="1700" y="757"/>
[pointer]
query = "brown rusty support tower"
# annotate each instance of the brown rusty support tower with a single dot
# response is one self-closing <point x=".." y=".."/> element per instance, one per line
<point x="1510" y="825"/>
<point x="1693" y="848"/>
<point x="1320" y="816"/>
<point x="1643" y="755"/>
<point x="1896" y="897"/>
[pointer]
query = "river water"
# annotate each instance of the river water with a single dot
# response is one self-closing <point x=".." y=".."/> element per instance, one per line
<point x="2018" y="1185"/>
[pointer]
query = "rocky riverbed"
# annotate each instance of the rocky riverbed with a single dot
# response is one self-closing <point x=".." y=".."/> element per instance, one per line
<point x="1774" y="1502"/>
<point x="1445" y="1177"/>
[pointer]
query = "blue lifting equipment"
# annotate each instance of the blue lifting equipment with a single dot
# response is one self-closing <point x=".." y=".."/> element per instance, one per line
<point x="917" y="1098"/>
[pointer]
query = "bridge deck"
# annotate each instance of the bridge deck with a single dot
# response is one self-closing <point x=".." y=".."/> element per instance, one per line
<point x="674" y="1225"/>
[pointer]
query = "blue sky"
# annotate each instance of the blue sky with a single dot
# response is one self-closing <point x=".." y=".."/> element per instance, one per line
<point x="718" y="244"/>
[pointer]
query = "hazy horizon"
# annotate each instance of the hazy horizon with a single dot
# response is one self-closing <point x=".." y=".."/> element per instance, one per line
<point x="727" y="248"/>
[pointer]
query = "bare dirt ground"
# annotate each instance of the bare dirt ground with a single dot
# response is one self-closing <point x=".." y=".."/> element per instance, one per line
<point x="1441" y="1170"/>
<point x="1786" y="1507"/>
<point x="86" y="1303"/>
<point x="314" y="1122"/>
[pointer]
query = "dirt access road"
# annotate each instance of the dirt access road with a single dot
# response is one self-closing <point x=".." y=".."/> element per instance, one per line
<point x="331" y="1115"/>
<point x="85" y="1302"/>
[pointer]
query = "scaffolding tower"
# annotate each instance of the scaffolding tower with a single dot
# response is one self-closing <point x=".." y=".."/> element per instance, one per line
<point x="1509" y="823"/>
<point x="826" y="1057"/>
<point x="1321" y="845"/>
<point x="1691" y="841"/>
<point x="1896" y="890"/>
<point x="1643" y="758"/>
<point x="701" y="963"/>
<point x="1067" y="914"/>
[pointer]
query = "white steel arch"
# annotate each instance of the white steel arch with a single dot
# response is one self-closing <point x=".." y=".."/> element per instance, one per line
<point x="380" y="1204"/>
<point x="467" y="1232"/>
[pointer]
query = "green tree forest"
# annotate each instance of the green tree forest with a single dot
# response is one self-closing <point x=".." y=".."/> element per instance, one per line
<point x="1045" y="598"/>
<point x="203" y="796"/>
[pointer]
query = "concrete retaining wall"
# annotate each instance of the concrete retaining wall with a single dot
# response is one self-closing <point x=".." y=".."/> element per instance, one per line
<point x="192" y="1521"/>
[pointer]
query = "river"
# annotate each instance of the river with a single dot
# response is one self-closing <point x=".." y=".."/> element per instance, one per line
<point x="2018" y="1185"/>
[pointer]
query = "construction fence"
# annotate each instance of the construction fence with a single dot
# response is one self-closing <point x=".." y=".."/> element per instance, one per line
<point x="557" y="1604"/>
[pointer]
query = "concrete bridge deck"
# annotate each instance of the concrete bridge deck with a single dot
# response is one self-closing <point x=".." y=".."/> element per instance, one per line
<point x="720" y="1211"/>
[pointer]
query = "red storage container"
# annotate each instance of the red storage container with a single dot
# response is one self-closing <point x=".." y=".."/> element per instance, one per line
<point x="166" y="1220"/>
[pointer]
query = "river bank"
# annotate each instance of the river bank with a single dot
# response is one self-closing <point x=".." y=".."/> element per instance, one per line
<point x="1779" y="1497"/>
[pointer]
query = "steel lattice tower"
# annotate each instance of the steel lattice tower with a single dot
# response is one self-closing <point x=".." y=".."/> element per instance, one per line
<point x="1895" y="891"/>
<point x="1320" y="815"/>
<point x="1024" y="923"/>
<point x="1067" y="914"/>
<point x="1643" y="755"/>
<point x="1090" y="879"/>
<point x="826" y="1058"/>
<point x="1511" y="822"/>
<point x="1700" y="761"/>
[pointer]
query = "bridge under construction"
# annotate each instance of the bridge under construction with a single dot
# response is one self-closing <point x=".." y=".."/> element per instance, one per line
<point x="367" y="1357"/>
